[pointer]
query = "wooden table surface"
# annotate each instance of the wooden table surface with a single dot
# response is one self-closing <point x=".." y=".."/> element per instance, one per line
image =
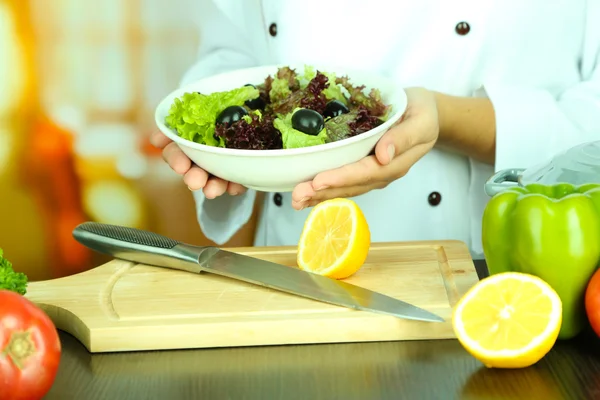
<point x="416" y="370"/>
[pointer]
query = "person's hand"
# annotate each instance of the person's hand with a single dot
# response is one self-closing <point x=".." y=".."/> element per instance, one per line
<point x="193" y="176"/>
<point x="395" y="153"/>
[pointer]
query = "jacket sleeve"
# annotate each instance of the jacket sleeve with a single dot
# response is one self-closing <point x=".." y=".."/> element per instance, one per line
<point x="224" y="46"/>
<point x="533" y="124"/>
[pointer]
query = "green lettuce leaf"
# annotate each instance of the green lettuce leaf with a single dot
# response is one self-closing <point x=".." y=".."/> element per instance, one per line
<point x="338" y="128"/>
<point x="292" y="138"/>
<point x="193" y="115"/>
<point x="248" y="117"/>
<point x="9" y="279"/>
<point x="279" y="90"/>
<point x="309" y="73"/>
<point x="334" y="91"/>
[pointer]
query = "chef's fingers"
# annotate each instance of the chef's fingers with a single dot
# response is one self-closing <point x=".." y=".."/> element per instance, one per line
<point x="349" y="175"/>
<point x="196" y="178"/>
<point x="176" y="158"/>
<point x="398" y="139"/>
<point x="344" y="192"/>
<point x="361" y="172"/>
<point x="351" y="180"/>
<point x="302" y="192"/>
<point x="159" y="140"/>
<point x="215" y="187"/>
<point x="235" y="189"/>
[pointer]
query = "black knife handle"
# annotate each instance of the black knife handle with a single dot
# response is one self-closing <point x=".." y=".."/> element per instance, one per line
<point x="130" y="235"/>
<point x="139" y="246"/>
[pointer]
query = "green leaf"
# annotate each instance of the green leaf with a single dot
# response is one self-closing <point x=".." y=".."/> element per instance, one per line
<point x="338" y="128"/>
<point x="194" y="115"/>
<point x="279" y="90"/>
<point x="292" y="138"/>
<point x="9" y="279"/>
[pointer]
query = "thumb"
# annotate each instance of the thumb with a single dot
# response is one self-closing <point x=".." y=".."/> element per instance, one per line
<point x="395" y="141"/>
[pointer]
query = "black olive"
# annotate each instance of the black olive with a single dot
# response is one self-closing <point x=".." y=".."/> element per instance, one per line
<point x="308" y="121"/>
<point x="257" y="103"/>
<point x="335" y="108"/>
<point x="231" y="114"/>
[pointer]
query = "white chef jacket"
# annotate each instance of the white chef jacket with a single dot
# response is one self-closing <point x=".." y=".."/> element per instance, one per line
<point x="537" y="61"/>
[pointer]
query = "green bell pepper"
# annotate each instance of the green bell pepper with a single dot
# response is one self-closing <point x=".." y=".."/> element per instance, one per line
<point x="552" y="232"/>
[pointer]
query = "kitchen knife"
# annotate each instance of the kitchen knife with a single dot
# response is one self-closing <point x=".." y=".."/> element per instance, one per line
<point x="149" y="248"/>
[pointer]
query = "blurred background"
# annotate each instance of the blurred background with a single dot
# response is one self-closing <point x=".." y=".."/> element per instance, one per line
<point x="79" y="82"/>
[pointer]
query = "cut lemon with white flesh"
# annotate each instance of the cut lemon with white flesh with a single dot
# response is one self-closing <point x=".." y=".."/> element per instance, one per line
<point x="508" y="320"/>
<point x="335" y="240"/>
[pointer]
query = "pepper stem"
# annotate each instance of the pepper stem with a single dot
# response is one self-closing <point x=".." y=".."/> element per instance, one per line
<point x="20" y="347"/>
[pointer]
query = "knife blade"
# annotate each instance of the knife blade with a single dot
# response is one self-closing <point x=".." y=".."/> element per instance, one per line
<point x="150" y="248"/>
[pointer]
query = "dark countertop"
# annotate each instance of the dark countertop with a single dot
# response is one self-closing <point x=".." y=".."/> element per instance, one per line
<point x="417" y="370"/>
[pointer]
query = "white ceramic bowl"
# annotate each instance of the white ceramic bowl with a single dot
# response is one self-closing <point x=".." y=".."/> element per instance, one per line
<point x="281" y="170"/>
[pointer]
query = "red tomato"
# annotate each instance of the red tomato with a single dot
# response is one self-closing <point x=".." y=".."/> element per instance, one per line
<point x="592" y="301"/>
<point x="29" y="349"/>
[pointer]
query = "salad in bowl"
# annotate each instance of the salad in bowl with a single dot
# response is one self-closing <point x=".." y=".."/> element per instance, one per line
<point x="270" y="128"/>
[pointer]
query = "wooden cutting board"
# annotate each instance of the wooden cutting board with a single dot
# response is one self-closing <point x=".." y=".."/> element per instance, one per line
<point x="123" y="306"/>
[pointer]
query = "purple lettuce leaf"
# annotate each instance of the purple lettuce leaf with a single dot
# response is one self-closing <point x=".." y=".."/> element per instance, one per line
<point x="351" y="124"/>
<point x="311" y="97"/>
<point x="252" y="132"/>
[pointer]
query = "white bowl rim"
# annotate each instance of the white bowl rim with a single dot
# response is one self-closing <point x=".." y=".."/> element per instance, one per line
<point x="396" y="115"/>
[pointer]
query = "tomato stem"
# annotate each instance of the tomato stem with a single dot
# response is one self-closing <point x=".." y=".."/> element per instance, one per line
<point x="19" y="348"/>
